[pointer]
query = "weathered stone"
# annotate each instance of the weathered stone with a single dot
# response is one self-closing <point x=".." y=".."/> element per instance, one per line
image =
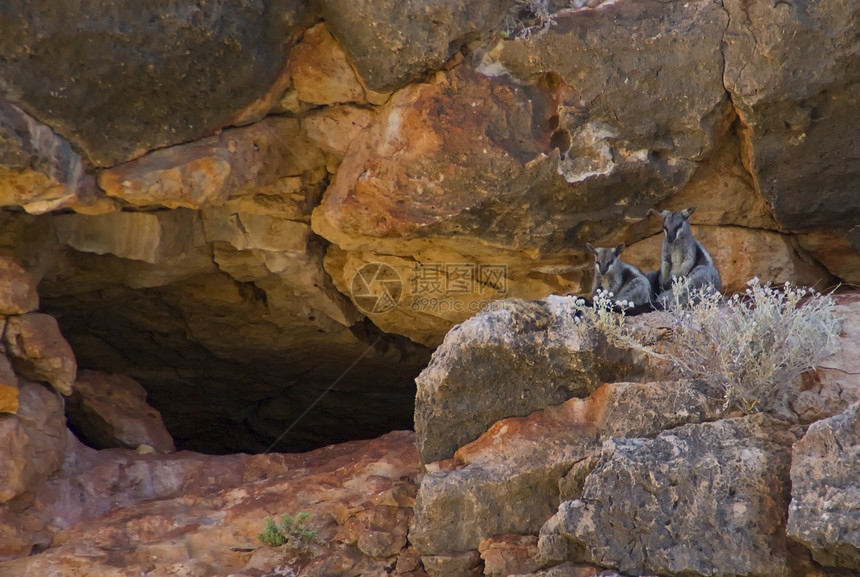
<point x="636" y="77"/>
<point x="380" y="531"/>
<point x="835" y="384"/>
<point x="201" y="514"/>
<point x="39" y="351"/>
<point x="508" y="480"/>
<point x="334" y="128"/>
<point x="407" y="562"/>
<point x="236" y="162"/>
<point x="840" y="253"/>
<point x="527" y="351"/>
<point x="8" y="386"/>
<point x="39" y="171"/>
<point x="466" y="564"/>
<point x="32" y="441"/>
<point x="722" y="190"/>
<point x="518" y="157"/>
<point x="240" y="332"/>
<point x="393" y="42"/>
<point x="121" y="79"/>
<point x="151" y="237"/>
<point x="321" y="73"/>
<point x="741" y="254"/>
<point x="509" y="554"/>
<point x="111" y="411"/>
<point x="17" y="290"/>
<point x="825" y="490"/>
<point x="795" y="81"/>
<point x="726" y="480"/>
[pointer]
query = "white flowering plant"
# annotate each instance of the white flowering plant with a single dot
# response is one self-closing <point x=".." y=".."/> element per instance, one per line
<point x="753" y="346"/>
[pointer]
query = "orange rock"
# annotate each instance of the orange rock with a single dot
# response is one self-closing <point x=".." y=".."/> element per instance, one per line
<point x="32" y="442"/>
<point x="8" y="385"/>
<point x="163" y="514"/>
<point x="321" y="73"/>
<point x="17" y="290"/>
<point x="509" y="555"/>
<point x="214" y="169"/>
<point x="40" y="352"/>
<point x="111" y="411"/>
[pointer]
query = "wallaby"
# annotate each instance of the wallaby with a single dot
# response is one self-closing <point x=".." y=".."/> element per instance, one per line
<point x="623" y="280"/>
<point x="683" y="256"/>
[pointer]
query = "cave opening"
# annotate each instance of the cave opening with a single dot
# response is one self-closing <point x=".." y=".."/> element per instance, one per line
<point x="231" y="357"/>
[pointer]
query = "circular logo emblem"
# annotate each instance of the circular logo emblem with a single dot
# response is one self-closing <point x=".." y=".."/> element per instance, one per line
<point x="376" y="288"/>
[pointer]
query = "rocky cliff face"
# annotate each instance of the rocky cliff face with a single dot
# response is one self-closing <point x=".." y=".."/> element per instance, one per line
<point x="205" y="195"/>
<point x="245" y="219"/>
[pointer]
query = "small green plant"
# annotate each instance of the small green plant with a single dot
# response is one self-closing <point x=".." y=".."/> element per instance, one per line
<point x="752" y="346"/>
<point x="290" y="532"/>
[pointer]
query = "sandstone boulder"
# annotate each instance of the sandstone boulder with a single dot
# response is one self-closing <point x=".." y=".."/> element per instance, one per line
<point x="17" y="290"/>
<point x="825" y="490"/>
<point x="509" y="555"/>
<point x="150" y="237"/>
<point x="8" y="385"/>
<point x="321" y="73"/>
<point x="32" y="442"/>
<point x="510" y="479"/>
<point x="39" y="170"/>
<point x="200" y="514"/>
<point x="523" y="153"/>
<point x="214" y="169"/>
<point x="111" y="411"/>
<point x="121" y="80"/>
<point x="391" y="43"/>
<point x="39" y="351"/>
<point x="800" y="134"/>
<point x="835" y="384"/>
<point x="647" y="500"/>
<point x="515" y="358"/>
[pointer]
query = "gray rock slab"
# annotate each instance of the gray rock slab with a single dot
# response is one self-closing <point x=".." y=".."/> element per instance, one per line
<point x="824" y="513"/>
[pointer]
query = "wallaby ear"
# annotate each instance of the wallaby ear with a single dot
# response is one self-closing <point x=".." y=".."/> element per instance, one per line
<point x="688" y="212"/>
<point x="654" y="212"/>
<point x="620" y="248"/>
<point x="590" y="248"/>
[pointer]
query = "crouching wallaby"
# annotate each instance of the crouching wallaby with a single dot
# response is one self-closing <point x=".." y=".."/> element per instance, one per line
<point x="623" y="280"/>
<point x="682" y="256"/>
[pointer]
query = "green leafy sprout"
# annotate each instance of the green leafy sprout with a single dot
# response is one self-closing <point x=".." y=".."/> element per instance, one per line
<point x="290" y="532"/>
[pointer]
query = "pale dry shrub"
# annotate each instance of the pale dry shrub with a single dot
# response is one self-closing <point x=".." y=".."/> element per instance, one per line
<point x="752" y="346"/>
<point x="604" y="320"/>
<point x="529" y="20"/>
<point x="755" y="345"/>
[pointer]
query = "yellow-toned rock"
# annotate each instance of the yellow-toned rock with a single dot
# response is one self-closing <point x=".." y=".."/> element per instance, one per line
<point x="150" y="237"/>
<point x="39" y="351"/>
<point x="17" y="290"/>
<point x="8" y="385"/>
<point x="321" y="73"/>
<point x="214" y="169"/>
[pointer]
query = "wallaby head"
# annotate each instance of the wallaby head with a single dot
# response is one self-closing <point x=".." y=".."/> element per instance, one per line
<point x="675" y="223"/>
<point x="606" y="258"/>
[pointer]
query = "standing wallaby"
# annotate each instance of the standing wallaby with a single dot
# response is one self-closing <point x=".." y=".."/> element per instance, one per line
<point x="623" y="280"/>
<point x="683" y="256"/>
